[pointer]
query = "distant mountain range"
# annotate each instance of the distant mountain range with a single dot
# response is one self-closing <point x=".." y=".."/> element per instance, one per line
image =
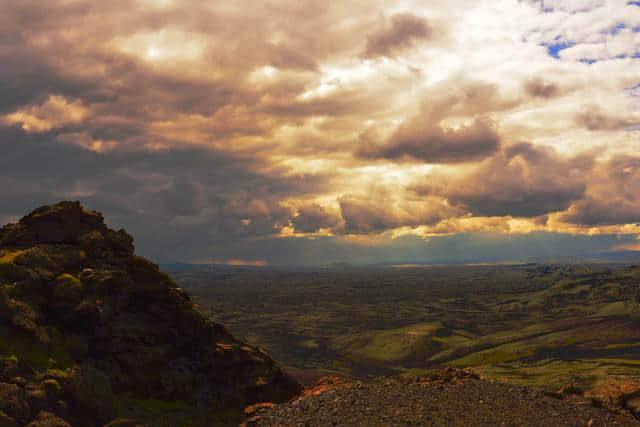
<point x="613" y="257"/>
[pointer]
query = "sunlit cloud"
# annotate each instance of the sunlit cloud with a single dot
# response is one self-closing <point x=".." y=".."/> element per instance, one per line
<point x="55" y="112"/>
<point x="163" y="46"/>
<point x="246" y="123"/>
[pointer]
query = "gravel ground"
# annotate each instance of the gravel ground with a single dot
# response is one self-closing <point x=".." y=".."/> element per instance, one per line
<point x="471" y="402"/>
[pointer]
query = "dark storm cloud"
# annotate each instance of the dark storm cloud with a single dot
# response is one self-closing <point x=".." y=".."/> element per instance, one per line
<point x="423" y="141"/>
<point x="44" y="51"/>
<point x="377" y="214"/>
<point x="26" y="77"/>
<point x="311" y="218"/>
<point x="426" y="137"/>
<point x="122" y="100"/>
<point x="202" y="195"/>
<point x="613" y="195"/>
<point x="523" y="180"/>
<point x="363" y="218"/>
<point x="402" y="32"/>
<point x="594" y="119"/>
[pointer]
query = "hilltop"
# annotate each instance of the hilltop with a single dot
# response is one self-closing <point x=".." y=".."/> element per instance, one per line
<point x="92" y="335"/>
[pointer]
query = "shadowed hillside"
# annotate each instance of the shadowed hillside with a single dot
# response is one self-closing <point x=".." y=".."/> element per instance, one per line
<point x="90" y="332"/>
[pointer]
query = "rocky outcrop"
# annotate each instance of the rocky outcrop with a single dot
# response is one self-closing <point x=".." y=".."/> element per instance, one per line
<point x="91" y="333"/>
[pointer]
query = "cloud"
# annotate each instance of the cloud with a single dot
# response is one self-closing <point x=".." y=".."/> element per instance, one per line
<point x="214" y="130"/>
<point x="419" y="140"/>
<point x="55" y="112"/>
<point x="403" y="32"/>
<point x="522" y="180"/>
<point x="453" y="125"/>
<point x="594" y="119"/>
<point x="541" y="89"/>
<point x="613" y="195"/>
<point x="619" y="45"/>
<point x="195" y="197"/>
<point x="362" y="218"/>
<point x="311" y="218"/>
<point x="369" y="214"/>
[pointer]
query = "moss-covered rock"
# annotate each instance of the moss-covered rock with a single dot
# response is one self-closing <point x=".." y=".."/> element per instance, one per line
<point x="12" y="358"/>
<point x="94" y="401"/>
<point x="63" y="223"/>
<point x="127" y="422"/>
<point x="67" y="291"/>
<point x="12" y="401"/>
<point x="38" y="262"/>
<point x="70" y="279"/>
<point x="52" y="388"/>
<point x="9" y="270"/>
<point x="22" y="315"/>
<point x="47" y="419"/>
<point x="30" y="350"/>
<point x="99" y="333"/>
<point x="7" y="421"/>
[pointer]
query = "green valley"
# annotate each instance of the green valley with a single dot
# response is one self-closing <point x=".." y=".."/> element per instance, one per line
<point x="540" y="325"/>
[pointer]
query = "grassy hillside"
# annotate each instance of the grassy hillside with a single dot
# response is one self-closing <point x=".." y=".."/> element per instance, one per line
<point x="545" y="326"/>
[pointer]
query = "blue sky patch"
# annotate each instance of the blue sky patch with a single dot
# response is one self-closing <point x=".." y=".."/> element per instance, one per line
<point x="633" y="3"/>
<point x="555" y="48"/>
<point x="588" y="61"/>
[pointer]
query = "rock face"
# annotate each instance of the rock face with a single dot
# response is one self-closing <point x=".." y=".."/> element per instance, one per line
<point x="91" y="333"/>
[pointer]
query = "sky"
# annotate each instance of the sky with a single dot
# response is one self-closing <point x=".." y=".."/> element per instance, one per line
<point x="298" y="132"/>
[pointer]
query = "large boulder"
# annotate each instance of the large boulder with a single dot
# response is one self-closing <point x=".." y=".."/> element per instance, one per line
<point x="91" y="333"/>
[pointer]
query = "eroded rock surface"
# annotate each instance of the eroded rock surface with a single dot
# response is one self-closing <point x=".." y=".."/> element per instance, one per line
<point x="92" y="334"/>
